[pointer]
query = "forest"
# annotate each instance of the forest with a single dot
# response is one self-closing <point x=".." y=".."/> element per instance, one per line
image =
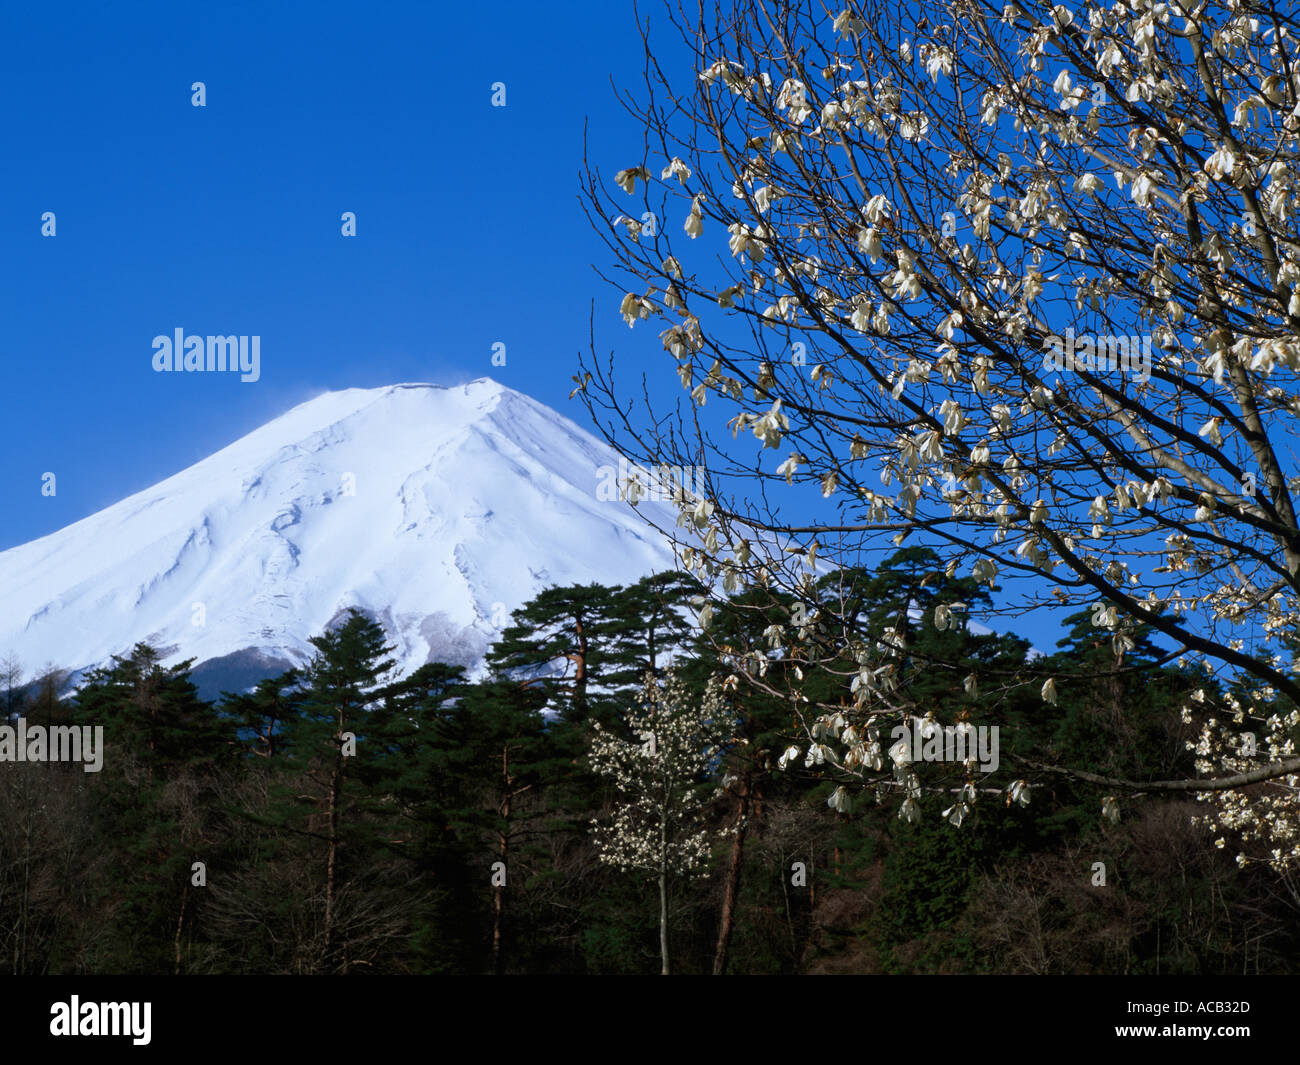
<point x="605" y="798"/>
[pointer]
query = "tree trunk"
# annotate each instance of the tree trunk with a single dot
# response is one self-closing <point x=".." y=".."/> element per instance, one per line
<point x="498" y="890"/>
<point x="180" y="926"/>
<point x="663" y="919"/>
<point x="789" y="917"/>
<point x="733" y="882"/>
<point x="20" y="941"/>
<point x="331" y="863"/>
<point x="580" y="676"/>
<point x="663" y="895"/>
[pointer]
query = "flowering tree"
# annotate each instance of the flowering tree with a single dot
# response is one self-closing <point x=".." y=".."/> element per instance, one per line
<point x="656" y="828"/>
<point x="1018" y="282"/>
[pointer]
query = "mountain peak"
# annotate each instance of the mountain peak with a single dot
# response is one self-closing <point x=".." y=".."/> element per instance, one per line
<point x="435" y="509"/>
<point x="346" y="402"/>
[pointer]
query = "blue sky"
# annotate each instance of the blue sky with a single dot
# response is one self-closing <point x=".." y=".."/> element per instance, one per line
<point x="226" y="218"/>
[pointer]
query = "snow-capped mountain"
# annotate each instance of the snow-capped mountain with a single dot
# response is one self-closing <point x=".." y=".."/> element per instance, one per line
<point x="437" y="511"/>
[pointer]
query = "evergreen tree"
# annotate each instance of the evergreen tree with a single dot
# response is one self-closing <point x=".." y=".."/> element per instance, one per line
<point x="562" y="641"/>
<point x="325" y="798"/>
<point x="650" y="620"/>
<point x="762" y="729"/>
<point x="264" y="714"/>
<point x="515" y="763"/>
<point x="156" y="802"/>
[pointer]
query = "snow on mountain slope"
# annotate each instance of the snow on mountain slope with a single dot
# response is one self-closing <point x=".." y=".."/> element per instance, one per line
<point x="436" y="510"/>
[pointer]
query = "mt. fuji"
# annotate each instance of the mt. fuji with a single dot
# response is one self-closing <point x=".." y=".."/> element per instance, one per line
<point x="437" y="511"/>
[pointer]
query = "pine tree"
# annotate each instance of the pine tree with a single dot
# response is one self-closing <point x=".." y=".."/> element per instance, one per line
<point x="422" y="765"/>
<point x="343" y="682"/>
<point x="156" y="800"/>
<point x="762" y="730"/>
<point x="155" y="712"/>
<point x="264" y="714"/>
<point x="562" y="641"/>
<point x="650" y="620"/>
<point x="516" y="761"/>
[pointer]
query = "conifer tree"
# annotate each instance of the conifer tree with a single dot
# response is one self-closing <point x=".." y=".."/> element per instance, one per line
<point x="762" y="731"/>
<point x="264" y="714"/>
<point x="341" y="684"/>
<point x="651" y="619"/>
<point x="516" y="762"/>
<point x="155" y="801"/>
<point x="422" y="763"/>
<point x="562" y="641"/>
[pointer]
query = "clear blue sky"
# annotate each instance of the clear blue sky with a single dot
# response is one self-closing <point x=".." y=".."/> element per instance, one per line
<point x="225" y="219"/>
